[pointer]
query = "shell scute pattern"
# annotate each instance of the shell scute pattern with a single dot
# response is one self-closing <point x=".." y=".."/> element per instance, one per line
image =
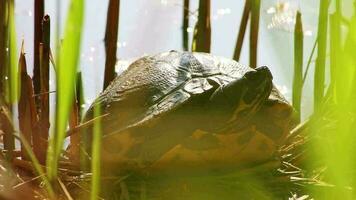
<point x="222" y="65"/>
<point x="144" y="75"/>
<point x="197" y="86"/>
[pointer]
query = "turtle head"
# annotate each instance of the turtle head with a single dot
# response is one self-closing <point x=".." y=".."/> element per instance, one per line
<point x="235" y="103"/>
<point x="258" y="88"/>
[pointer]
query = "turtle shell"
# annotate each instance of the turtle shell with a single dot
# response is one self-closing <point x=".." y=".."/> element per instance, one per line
<point x="155" y="85"/>
<point x="145" y="104"/>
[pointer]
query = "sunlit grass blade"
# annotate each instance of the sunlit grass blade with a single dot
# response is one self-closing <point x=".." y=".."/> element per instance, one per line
<point x="11" y="73"/>
<point x="337" y="146"/>
<point x="346" y="140"/>
<point x="254" y="30"/>
<point x="38" y="16"/>
<point x="309" y="61"/>
<point x="185" y="35"/>
<point x="202" y="32"/>
<point x="242" y="30"/>
<point x="319" y="74"/>
<point x="334" y="125"/>
<point x="66" y="77"/>
<point x="346" y="78"/>
<point x="95" y="162"/>
<point x="14" y="81"/>
<point x="112" y="25"/>
<point x="298" y="66"/>
<point x="4" y="57"/>
<point x="335" y="48"/>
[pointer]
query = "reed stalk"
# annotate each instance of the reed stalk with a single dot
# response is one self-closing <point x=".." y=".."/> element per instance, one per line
<point x="242" y="30"/>
<point x="185" y="34"/>
<point x="254" y="30"/>
<point x="38" y="17"/>
<point x="319" y="74"/>
<point x="202" y="32"/>
<point x="298" y="66"/>
<point x="76" y="116"/>
<point x="111" y="35"/>
<point x="335" y="46"/>
<point x="44" y="122"/>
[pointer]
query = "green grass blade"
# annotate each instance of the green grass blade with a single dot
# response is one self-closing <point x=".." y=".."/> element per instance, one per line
<point x="346" y="77"/>
<point x="95" y="162"/>
<point x="334" y="125"/>
<point x="14" y="81"/>
<point x="10" y="70"/>
<point x="340" y="150"/>
<point x="66" y="77"/>
<point x="298" y="66"/>
<point x="319" y="75"/>
<point x="309" y="61"/>
<point x="335" y="48"/>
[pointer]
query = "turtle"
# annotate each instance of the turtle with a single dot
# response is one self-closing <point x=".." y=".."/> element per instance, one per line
<point x="188" y="112"/>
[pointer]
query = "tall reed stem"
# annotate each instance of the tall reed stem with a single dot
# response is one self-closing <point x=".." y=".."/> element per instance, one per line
<point x="202" y="32"/>
<point x="38" y="17"/>
<point x="298" y="66"/>
<point x="112" y="25"/>
<point x="319" y="74"/>
<point x="185" y="34"/>
<point x="242" y="30"/>
<point x="254" y="29"/>
<point x="44" y="123"/>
